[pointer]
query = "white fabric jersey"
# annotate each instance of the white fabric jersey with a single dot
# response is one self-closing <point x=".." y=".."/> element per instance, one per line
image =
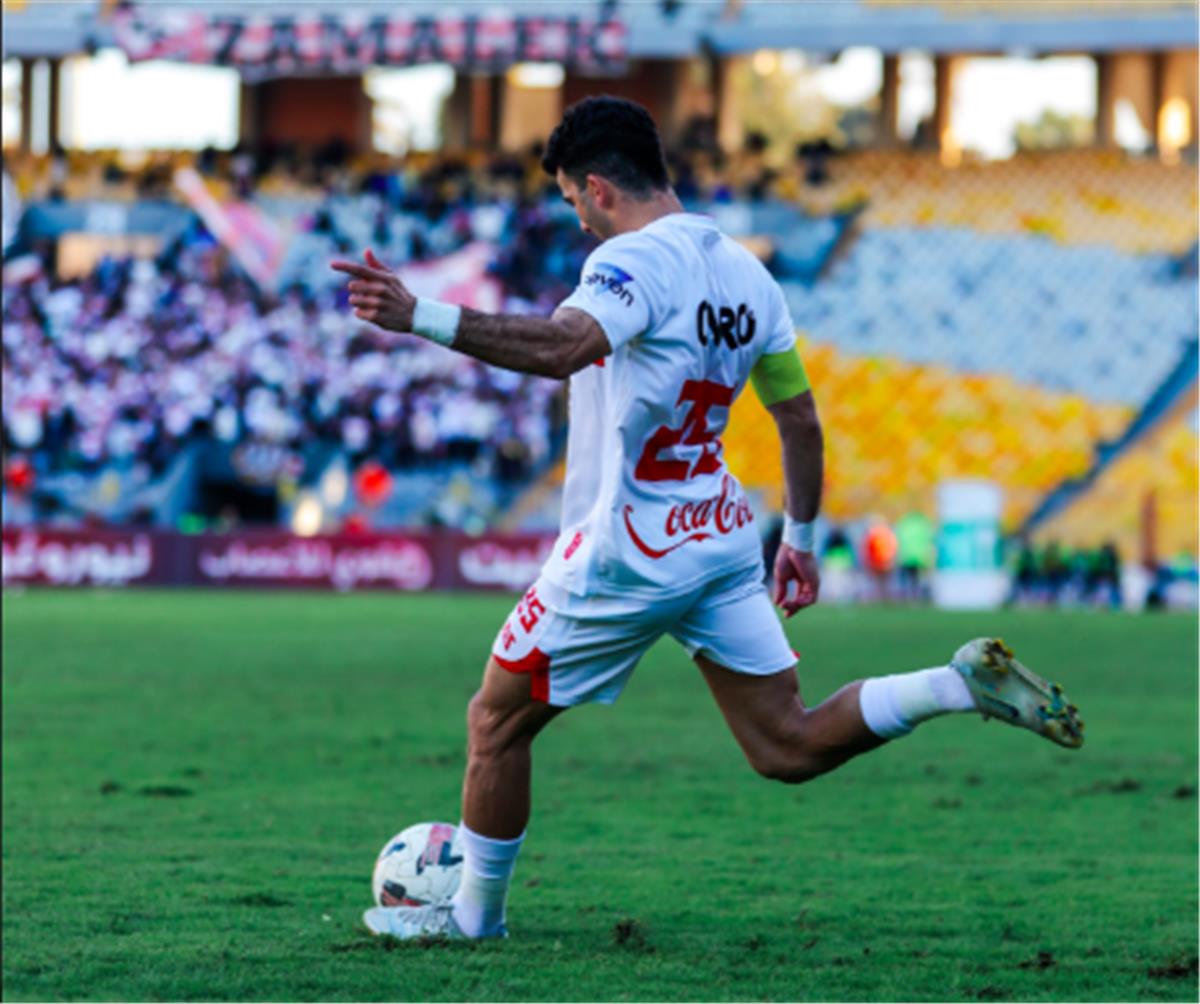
<point x="648" y="504"/>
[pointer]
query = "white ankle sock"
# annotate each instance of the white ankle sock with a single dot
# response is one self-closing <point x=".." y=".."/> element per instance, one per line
<point x="487" y="868"/>
<point x="893" y="705"/>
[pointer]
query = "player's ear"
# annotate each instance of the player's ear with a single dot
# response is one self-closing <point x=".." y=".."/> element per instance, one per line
<point x="600" y="191"/>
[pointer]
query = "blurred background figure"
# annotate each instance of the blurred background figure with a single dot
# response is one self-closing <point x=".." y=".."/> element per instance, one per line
<point x="838" y="569"/>
<point x="879" y="549"/>
<point x="1104" y="577"/>
<point x="916" y="555"/>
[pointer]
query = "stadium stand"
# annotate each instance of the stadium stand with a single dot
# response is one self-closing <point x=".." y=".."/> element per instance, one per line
<point x="1094" y="197"/>
<point x="895" y="429"/>
<point x="1161" y="467"/>
<point x="1000" y="321"/>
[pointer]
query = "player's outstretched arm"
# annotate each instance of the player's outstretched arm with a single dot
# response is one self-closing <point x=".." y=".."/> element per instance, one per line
<point x="546" y="346"/>
<point x="782" y="386"/>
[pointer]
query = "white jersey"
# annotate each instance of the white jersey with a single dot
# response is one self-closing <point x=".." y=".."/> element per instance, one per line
<point x="648" y="504"/>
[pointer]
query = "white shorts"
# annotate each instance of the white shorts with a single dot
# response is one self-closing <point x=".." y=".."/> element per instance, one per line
<point x="584" y="648"/>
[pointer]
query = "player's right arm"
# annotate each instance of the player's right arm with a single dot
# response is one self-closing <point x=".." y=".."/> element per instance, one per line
<point x="545" y="346"/>
<point x="600" y="316"/>
<point x="782" y="386"/>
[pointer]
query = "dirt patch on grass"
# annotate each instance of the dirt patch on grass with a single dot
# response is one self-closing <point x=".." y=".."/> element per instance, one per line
<point x="265" y="899"/>
<point x="165" y="791"/>
<point x="1176" y="969"/>
<point x="1043" y="960"/>
<point x="1124" y="786"/>
<point x="629" y="933"/>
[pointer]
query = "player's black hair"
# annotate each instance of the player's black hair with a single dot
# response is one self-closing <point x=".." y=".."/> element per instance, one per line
<point x="611" y="137"/>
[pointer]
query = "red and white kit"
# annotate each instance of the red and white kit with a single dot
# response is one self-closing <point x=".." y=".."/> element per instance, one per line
<point x="657" y="536"/>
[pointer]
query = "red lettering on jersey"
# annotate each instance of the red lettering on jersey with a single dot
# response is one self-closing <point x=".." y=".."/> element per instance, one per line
<point x="702" y="395"/>
<point x="724" y="513"/>
<point x="507" y="637"/>
<point x="573" y="546"/>
<point x="530" y="610"/>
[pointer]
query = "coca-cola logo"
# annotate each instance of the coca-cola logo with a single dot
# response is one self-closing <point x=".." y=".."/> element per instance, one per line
<point x="511" y="566"/>
<point x="31" y="557"/>
<point x="401" y="564"/>
<point x="688" y="522"/>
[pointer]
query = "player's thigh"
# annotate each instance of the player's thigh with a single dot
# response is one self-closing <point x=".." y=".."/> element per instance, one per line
<point x="733" y="624"/>
<point x="578" y="650"/>
<point x="764" y="712"/>
<point x="505" y="709"/>
<point x="736" y="639"/>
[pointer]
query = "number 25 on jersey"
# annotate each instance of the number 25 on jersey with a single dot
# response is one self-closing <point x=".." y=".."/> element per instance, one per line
<point x="699" y="396"/>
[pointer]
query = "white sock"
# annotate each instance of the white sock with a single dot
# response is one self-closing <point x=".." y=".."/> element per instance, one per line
<point x="893" y="705"/>
<point x="487" y="868"/>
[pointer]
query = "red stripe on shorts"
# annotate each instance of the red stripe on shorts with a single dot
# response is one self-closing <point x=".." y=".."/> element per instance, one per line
<point x="537" y="665"/>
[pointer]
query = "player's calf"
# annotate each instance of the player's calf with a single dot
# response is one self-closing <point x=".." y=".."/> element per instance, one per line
<point x="809" y="742"/>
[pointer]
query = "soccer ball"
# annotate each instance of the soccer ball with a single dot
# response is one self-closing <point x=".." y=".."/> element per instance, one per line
<point x="419" y="865"/>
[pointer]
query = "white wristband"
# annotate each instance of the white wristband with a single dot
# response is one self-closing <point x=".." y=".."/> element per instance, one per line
<point x="436" y="321"/>
<point x="798" y="536"/>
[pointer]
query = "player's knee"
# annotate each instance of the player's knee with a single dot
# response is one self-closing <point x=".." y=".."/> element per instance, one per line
<point x="790" y="759"/>
<point x="491" y="731"/>
<point x="484" y="727"/>
<point x="791" y="767"/>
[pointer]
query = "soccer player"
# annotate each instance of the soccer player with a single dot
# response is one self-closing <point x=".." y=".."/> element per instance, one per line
<point x="669" y="323"/>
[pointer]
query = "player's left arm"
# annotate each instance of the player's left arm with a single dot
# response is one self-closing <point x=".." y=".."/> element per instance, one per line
<point x="782" y="385"/>
<point x="555" y="346"/>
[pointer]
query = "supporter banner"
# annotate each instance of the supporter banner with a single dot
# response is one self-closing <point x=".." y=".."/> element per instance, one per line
<point x="246" y="230"/>
<point x="496" y="562"/>
<point x="273" y="559"/>
<point x="459" y="278"/>
<point x="94" y="558"/>
<point x="348" y="41"/>
<point x="340" y="562"/>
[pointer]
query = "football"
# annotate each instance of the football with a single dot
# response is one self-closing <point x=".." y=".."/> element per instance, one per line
<point x="419" y="865"/>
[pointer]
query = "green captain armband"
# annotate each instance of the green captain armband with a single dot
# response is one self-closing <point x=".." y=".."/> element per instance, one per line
<point x="778" y="376"/>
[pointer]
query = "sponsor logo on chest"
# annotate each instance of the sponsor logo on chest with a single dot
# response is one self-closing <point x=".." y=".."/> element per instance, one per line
<point x="689" y="522"/>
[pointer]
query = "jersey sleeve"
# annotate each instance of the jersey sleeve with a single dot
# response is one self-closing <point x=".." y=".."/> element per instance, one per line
<point x="781" y="336"/>
<point x="618" y="289"/>
<point x="779" y="372"/>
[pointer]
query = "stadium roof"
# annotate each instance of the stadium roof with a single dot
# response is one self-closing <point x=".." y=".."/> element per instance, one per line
<point x="684" y="27"/>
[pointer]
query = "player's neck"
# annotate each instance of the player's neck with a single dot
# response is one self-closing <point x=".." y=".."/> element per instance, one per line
<point x="640" y="214"/>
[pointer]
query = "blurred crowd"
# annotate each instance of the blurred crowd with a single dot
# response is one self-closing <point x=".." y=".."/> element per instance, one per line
<point x="127" y="363"/>
<point x="132" y="361"/>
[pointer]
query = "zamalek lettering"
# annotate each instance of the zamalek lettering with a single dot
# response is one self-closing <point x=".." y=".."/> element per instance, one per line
<point x="722" y="514"/>
<point x="573" y="546"/>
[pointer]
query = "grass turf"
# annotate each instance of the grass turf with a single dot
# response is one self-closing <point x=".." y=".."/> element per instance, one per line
<point x="196" y="784"/>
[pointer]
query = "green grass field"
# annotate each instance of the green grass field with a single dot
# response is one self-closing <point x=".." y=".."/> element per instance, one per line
<point x="196" y="785"/>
